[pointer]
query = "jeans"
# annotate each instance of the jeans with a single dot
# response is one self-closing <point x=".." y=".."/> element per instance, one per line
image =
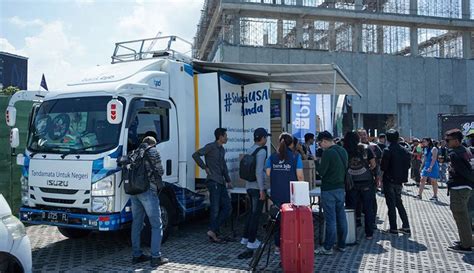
<point x="393" y="198"/>
<point x="443" y="169"/>
<point x="364" y="194"/>
<point x="221" y="208"/>
<point x="459" y="207"/>
<point x="148" y="203"/>
<point x="415" y="170"/>
<point x="256" y="206"/>
<point x="335" y="215"/>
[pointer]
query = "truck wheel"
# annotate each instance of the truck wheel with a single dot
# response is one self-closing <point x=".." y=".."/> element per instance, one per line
<point x="8" y="263"/>
<point x="74" y="233"/>
<point x="168" y="216"/>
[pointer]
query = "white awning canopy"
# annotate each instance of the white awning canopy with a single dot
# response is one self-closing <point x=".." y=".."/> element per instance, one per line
<point x="301" y="78"/>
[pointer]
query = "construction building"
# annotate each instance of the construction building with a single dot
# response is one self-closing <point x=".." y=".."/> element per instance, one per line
<point x="411" y="59"/>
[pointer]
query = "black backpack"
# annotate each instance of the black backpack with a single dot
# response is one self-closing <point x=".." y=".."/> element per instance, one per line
<point x="248" y="165"/>
<point x="137" y="176"/>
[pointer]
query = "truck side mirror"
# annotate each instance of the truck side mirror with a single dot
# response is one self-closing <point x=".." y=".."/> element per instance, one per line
<point x="10" y="116"/>
<point x="114" y="111"/>
<point x="110" y="163"/>
<point x="14" y="138"/>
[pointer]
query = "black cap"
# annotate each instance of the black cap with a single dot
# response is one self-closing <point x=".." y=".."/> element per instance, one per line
<point x="324" y="135"/>
<point x="260" y="132"/>
<point x="393" y="136"/>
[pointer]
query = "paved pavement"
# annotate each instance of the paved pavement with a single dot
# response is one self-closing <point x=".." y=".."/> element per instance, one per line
<point x="433" y="229"/>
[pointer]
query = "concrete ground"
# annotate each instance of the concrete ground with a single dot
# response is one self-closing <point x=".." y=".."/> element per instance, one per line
<point x="433" y="229"/>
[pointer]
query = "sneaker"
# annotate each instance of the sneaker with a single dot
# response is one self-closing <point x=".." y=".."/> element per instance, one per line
<point x="405" y="231"/>
<point x="244" y="241"/>
<point x="455" y="243"/>
<point x="340" y="249"/>
<point x="253" y="245"/>
<point x="434" y="198"/>
<point x="277" y="250"/>
<point x="140" y="259"/>
<point x="158" y="261"/>
<point x="323" y="251"/>
<point x="390" y="231"/>
<point x="419" y="197"/>
<point x="459" y="249"/>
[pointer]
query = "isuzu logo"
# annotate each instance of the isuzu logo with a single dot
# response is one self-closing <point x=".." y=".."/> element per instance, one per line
<point x="58" y="183"/>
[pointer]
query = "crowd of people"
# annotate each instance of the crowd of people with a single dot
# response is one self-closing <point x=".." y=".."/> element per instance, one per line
<point x="351" y="169"/>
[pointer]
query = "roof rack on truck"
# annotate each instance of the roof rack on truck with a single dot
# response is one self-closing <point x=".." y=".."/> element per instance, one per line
<point x="158" y="47"/>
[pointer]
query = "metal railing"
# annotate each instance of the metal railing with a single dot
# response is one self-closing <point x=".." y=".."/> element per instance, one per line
<point x="143" y="49"/>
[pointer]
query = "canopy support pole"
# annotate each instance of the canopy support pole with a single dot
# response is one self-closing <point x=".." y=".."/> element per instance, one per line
<point x="334" y="103"/>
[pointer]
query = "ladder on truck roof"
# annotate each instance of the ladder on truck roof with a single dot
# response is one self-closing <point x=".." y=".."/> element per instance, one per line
<point x="134" y="50"/>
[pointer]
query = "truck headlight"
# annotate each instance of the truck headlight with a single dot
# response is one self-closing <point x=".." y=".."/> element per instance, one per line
<point x="24" y="183"/>
<point x="24" y="190"/>
<point x="102" y="204"/>
<point x="14" y="227"/>
<point x="104" y="187"/>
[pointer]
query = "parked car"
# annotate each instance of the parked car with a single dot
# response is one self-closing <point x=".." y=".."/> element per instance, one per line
<point x="15" y="247"/>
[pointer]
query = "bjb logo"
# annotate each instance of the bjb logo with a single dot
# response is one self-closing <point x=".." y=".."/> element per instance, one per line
<point x="302" y="118"/>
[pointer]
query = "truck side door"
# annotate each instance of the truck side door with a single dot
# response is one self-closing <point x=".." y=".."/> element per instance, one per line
<point x="156" y="118"/>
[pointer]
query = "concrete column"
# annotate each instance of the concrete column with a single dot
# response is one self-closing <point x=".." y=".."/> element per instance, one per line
<point x="311" y="35"/>
<point x="467" y="49"/>
<point x="299" y="33"/>
<point x="236" y="29"/>
<point x="332" y="36"/>
<point x="380" y="39"/>
<point x="280" y="32"/>
<point x="414" y="30"/>
<point x="467" y="45"/>
<point x="413" y="7"/>
<point x="466" y="9"/>
<point x="357" y="31"/>
<point x="332" y="28"/>
<point x="414" y="41"/>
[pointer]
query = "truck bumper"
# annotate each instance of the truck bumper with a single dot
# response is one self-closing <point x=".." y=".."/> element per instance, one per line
<point x="101" y="222"/>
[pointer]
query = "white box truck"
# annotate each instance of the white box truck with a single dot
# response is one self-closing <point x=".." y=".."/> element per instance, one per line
<point x="70" y="178"/>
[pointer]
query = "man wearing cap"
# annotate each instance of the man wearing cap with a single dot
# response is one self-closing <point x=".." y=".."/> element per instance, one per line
<point x="256" y="192"/>
<point x="332" y="168"/>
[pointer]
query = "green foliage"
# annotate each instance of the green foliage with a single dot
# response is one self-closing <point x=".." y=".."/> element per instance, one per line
<point x="10" y="90"/>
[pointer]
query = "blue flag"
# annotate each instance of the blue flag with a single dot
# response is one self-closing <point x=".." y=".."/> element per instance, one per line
<point x="43" y="83"/>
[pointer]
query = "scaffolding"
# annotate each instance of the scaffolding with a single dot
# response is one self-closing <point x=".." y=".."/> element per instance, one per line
<point x="259" y="29"/>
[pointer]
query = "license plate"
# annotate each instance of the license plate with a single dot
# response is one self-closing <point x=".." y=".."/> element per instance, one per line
<point x="56" y="217"/>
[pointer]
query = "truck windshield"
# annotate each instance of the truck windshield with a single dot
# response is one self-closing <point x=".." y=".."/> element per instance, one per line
<point x="73" y="125"/>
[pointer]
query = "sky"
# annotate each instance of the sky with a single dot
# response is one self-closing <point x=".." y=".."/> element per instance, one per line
<point x="63" y="38"/>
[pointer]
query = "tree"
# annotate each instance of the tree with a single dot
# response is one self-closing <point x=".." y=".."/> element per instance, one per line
<point x="10" y="90"/>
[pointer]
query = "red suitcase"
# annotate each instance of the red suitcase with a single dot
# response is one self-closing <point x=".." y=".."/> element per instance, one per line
<point x="297" y="239"/>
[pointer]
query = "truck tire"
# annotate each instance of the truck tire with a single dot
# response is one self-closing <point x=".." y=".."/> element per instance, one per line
<point x="74" y="233"/>
<point x="8" y="263"/>
<point x="168" y="216"/>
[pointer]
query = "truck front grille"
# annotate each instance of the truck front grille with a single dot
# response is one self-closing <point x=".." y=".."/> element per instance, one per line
<point x="60" y="191"/>
<point x="58" y="201"/>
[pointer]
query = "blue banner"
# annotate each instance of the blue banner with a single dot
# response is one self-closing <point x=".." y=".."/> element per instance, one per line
<point x="303" y="116"/>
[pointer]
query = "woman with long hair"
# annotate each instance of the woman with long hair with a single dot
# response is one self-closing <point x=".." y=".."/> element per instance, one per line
<point x="361" y="164"/>
<point x="282" y="167"/>
<point x="430" y="167"/>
